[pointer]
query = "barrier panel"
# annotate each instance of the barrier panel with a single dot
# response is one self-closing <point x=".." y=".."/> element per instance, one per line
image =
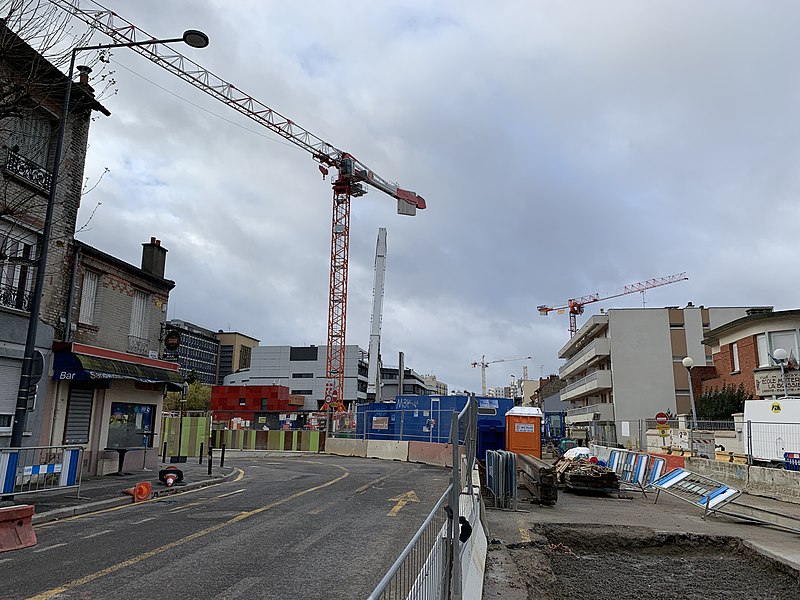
<point x="501" y="478"/>
<point x="440" y="455"/>
<point x="346" y="447"/>
<point x="298" y="440"/>
<point x="16" y="528"/>
<point x="40" y="469"/>
<point x="387" y="450"/>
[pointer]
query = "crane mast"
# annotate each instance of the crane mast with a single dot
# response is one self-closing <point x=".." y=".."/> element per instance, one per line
<point x="575" y="305"/>
<point x="350" y="180"/>
<point x="373" y="372"/>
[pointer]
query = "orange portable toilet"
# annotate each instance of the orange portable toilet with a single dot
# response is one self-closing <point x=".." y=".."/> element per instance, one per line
<point x="524" y="430"/>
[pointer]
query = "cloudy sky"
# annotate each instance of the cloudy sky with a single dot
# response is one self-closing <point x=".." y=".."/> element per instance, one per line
<point x="563" y="147"/>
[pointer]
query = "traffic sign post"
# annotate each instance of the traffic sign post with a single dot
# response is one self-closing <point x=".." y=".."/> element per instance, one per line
<point x="662" y="418"/>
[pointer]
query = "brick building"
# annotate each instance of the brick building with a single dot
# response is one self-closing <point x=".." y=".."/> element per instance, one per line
<point x="109" y="380"/>
<point x="742" y="353"/>
<point x="31" y="99"/>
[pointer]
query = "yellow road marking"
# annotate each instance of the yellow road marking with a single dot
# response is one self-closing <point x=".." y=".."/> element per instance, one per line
<point x="401" y="500"/>
<point x="156" y="551"/>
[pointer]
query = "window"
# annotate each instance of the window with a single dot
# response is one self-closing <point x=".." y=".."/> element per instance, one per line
<point x="763" y="351"/>
<point x="17" y="250"/>
<point x="128" y="425"/>
<point x="302" y="375"/>
<point x="88" y="295"/>
<point x="31" y="137"/>
<point x="244" y="357"/>
<point x="785" y="340"/>
<point x="242" y="401"/>
<point x="735" y="357"/>
<point x="302" y="392"/>
<point x="138" y="325"/>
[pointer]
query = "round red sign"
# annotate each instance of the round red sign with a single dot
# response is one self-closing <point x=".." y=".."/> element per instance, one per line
<point x="662" y="418"/>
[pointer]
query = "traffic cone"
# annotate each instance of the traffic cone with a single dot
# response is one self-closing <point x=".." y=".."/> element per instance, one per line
<point x="141" y="491"/>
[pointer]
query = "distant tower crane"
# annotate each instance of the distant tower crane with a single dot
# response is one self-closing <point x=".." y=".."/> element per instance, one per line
<point x="374" y="369"/>
<point x="350" y="180"/>
<point x="484" y="364"/>
<point x="575" y="305"/>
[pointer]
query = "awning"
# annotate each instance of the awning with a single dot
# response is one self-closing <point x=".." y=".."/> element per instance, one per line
<point x="82" y="367"/>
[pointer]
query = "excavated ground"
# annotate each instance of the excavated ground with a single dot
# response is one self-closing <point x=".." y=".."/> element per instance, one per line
<point x="604" y="562"/>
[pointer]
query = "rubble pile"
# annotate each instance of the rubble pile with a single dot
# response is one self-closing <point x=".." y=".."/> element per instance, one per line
<point x="582" y="475"/>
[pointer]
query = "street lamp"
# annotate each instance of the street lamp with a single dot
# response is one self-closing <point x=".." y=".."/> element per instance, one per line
<point x="780" y="355"/>
<point x="689" y="363"/>
<point x="191" y="37"/>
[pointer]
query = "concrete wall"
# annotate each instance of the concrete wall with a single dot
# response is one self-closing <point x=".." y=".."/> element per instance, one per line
<point x="641" y="364"/>
<point x="758" y="481"/>
<point x="387" y="450"/>
<point x="346" y="447"/>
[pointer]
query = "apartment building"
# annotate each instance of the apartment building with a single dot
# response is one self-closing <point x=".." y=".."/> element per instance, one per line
<point x="624" y="365"/>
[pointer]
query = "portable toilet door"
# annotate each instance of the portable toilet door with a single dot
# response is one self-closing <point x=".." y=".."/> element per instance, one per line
<point x="524" y="430"/>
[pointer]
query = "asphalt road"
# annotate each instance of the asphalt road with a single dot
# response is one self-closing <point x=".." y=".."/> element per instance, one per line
<point x="294" y="527"/>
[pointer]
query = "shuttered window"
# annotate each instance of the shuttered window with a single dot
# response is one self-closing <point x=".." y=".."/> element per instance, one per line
<point x="9" y="385"/>
<point x="138" y="314"/>
<point x="79" y="416"/>
<point x="31" y="136"/>
<point x="88" y="295"/>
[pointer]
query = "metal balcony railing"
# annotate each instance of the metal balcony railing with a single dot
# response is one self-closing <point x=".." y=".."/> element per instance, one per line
<point x="27" y="170"/>
<point x="14" y="297"/>
<point x="138" y="346"/>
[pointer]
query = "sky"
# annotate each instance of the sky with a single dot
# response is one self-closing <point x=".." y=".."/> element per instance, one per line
<point x="563" y="148"/>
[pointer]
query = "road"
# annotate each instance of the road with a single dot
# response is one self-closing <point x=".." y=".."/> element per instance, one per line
<point x="294" y="527"/>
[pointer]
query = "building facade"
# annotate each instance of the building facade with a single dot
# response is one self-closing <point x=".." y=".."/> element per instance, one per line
<point x="109" y="380"/>
<point x="235" y="352"/>
<point x="31" y="100"/>
<point x="197" y="352"/>
<point x="302" y="370"/>
<point x="742" y="354"/>
<point x="625" y="366"/>
<point x="434" y="386"/>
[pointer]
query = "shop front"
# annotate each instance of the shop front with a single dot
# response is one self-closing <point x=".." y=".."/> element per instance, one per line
<point x="110" y="402"/>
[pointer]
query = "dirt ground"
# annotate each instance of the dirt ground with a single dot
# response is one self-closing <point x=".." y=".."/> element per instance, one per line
<point x="603" y="562"/>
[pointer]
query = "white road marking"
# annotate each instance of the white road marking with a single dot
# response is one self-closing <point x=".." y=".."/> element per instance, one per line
<point x="5" y="560"/>
<point x="232" y="493"/>
<point x="91" y="535"/>
<point x="50" y="547"/>
<point x="142" y="521"/>
<point x="240" y="588"/>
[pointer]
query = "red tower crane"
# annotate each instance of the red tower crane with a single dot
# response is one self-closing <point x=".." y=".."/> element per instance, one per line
<point x="484" y="364"/>
<point x="575" y="305"/>
<point x="349" y="181"/>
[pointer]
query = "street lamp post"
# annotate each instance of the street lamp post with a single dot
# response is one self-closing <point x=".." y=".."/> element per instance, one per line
<point x="689" y="363"/>
<point x="780" y="355"/>
<point x="194" y="38"/>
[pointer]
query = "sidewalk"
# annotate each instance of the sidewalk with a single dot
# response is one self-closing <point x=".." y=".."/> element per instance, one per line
<point x="102" y="492"/>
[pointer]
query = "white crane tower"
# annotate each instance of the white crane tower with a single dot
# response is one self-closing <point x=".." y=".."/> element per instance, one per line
<point x="374" y="372"/>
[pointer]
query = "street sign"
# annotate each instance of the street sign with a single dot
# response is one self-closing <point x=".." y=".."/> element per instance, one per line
<point x="662" y="418"/>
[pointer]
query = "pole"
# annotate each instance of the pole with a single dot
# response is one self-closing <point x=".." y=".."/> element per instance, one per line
<point x="201" y="453"/>
<point x="783" y="376"/>
<point x="210" y="458"/>
<point x="455" y="499"/>
<point x="749" y="443"/>
<point x="691" y="398"/>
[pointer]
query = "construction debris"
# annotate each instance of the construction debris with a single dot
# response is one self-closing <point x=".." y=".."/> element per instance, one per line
<point x="584" y="476"/>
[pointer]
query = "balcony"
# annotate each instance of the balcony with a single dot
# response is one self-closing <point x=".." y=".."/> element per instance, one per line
<point x="599" y="348"/>
<point x="589" y="385"/>
<point x="27" y="171"/>
<point x="593" y="412"/>
<point x="138" y="346"/>
<point x="13" y="297"/>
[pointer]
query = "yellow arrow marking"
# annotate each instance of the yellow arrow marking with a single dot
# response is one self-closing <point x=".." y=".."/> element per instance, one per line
<point x="401" y="500"/>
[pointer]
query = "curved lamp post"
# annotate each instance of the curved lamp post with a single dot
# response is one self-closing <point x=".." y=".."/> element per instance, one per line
<point x="780" y="356"/>
<point x="689" y="363"/>
<point x="191" y="37"/>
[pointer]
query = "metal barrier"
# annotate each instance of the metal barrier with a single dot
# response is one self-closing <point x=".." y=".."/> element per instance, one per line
<point x="501" y="478"/>
<point x="429" y="568"/>
<point x="40" y="469"/>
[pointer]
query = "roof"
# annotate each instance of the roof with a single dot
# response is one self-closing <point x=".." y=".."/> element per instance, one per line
<point x="712" y="336"/>
<point x="122" y="265"/>
<point x="43" y="75"/>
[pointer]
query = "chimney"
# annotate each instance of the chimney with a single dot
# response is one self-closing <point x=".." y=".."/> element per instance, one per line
<point x="83" y="77"/>
<point x="154" y="258"/>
